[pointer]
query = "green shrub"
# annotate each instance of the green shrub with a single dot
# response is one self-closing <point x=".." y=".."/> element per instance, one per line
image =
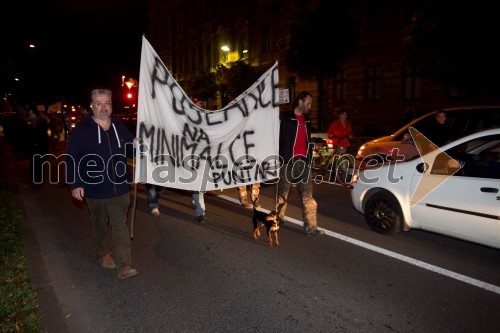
<point x="18" y="310"/>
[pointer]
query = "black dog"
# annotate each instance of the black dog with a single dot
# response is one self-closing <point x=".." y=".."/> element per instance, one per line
<point x="270" y="221"/>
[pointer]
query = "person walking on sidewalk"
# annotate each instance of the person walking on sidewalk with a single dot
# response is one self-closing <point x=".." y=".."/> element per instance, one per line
<point x="295" y="152"/>
<point x="98" y="172"/>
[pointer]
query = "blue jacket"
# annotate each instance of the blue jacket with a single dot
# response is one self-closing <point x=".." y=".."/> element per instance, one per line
<point x="96" y="159"/>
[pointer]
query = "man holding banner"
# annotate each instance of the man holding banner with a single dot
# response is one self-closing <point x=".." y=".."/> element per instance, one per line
<point x="186" y="147"/>
<point x="296" y="153"/>
<point x="98" y="172"/>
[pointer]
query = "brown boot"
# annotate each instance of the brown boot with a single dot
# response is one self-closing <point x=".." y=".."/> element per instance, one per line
<point x="242" y="193"/>
<point x="245" y="203"/>
<point x="126" y="272"/>
<point x="107" y="262"/>
<point x="255" y="195"/>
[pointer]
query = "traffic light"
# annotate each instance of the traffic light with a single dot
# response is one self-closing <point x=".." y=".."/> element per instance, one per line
<point x="129" y="95"/>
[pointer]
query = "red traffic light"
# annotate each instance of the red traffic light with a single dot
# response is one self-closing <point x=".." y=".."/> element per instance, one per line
<point x="129" y="95"/>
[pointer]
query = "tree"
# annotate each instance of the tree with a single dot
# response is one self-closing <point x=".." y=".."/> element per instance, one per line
<point x="307" y="52"/>
<point x="235" y="79"/>
<point x="202" y="86"/>
<point x="455" y="42"/>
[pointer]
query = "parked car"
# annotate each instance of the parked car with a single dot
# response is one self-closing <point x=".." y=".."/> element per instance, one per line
<point x="463" y="121"/>
<point x="464" y="204"/>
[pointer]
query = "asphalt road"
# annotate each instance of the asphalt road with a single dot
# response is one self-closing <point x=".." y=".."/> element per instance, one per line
<point x="214" y="277"/>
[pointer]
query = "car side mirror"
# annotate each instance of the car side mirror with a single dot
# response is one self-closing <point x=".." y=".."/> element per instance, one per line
<point x="422" y="167"/>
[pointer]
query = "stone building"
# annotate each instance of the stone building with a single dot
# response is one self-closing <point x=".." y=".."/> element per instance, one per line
<point x="376" y="86"/>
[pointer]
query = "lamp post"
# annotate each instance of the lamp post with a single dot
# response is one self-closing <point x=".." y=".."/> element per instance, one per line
<point x="225" y="49"/>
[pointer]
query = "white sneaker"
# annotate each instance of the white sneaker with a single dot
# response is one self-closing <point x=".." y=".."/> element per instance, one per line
<point x="155" y="212"/>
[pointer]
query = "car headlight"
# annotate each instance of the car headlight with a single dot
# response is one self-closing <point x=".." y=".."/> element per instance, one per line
<point x="361" y="150"/>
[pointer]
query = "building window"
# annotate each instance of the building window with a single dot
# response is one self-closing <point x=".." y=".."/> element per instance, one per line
<point x="193" y="60"/>
<point x="372" y="82"/>
<point x="243" y="49"/>
<point x="411" y="84"/>
<point x="340" y="86"/>
<point x="291" y="87"/>
<point x="224" y="56"/>
<point x="374" y="14"/>
<point x="458" y="89"/>
<point x="265" y="40"/>
<point x="207" y="59"/>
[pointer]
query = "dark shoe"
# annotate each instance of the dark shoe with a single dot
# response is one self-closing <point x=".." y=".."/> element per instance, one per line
<point x="126" y="272"/>
<point x="200" y="219"/>
<point x="315" y="232"/>
<point x="107" y="262"/>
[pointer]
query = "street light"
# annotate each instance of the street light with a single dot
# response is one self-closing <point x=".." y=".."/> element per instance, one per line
<point x="225" y="52"/>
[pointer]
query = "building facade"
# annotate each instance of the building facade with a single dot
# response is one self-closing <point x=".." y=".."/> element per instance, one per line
<point x="376" y="86"/>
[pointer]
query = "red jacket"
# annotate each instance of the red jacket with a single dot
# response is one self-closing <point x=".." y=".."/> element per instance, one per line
<point x="339" y="134"/>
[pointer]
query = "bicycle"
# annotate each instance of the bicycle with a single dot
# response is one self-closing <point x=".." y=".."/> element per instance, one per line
<point x="339" y="166"/>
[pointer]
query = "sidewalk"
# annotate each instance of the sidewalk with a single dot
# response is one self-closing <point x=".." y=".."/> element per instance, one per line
<point x="47" y="300"/>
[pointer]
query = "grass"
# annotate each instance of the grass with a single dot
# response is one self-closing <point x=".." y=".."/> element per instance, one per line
<point x="18" y="309"/>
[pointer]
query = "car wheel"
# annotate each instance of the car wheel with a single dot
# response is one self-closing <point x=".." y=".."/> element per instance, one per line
<point x="383" y="213"/>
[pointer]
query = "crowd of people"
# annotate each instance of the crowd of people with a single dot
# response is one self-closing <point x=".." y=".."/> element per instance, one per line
<point x="33" y="134"/>
<point x="106" y="138"/>
<point x="31" y="131"/>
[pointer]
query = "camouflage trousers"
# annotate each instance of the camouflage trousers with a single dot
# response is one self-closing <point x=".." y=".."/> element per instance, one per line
<point x="297" y="174"/>
<point x="254" y="194"/>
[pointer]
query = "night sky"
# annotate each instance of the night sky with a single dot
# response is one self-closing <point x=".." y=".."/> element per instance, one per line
<point x="79" y="45"/>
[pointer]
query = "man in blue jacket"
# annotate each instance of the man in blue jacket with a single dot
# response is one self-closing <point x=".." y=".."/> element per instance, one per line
<point x="97" y="171"/>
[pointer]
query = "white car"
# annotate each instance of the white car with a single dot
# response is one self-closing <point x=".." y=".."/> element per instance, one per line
<point x="424" y="194"/>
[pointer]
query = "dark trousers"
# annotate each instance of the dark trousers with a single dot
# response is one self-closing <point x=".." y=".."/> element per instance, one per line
<point x="113" y="211"/>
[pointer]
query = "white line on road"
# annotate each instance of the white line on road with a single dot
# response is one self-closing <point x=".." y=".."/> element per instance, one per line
<point x="412" y="261"/>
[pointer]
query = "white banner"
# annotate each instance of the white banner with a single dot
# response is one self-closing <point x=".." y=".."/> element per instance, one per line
<point x="186" y="147"/>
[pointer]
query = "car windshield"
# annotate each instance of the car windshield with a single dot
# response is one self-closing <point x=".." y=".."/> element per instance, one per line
<point x="462" y="122"/>
<point x="479" y="157"/>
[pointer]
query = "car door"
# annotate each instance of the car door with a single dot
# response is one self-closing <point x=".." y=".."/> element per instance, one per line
<point x="465" y="205"/>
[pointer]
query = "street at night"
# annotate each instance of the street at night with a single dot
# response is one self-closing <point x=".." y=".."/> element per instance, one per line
<point x="105" y="100"/>
<point x="214" y="277"/>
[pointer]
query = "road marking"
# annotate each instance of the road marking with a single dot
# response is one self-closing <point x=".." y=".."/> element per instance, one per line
<point x="409" y="260"/>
